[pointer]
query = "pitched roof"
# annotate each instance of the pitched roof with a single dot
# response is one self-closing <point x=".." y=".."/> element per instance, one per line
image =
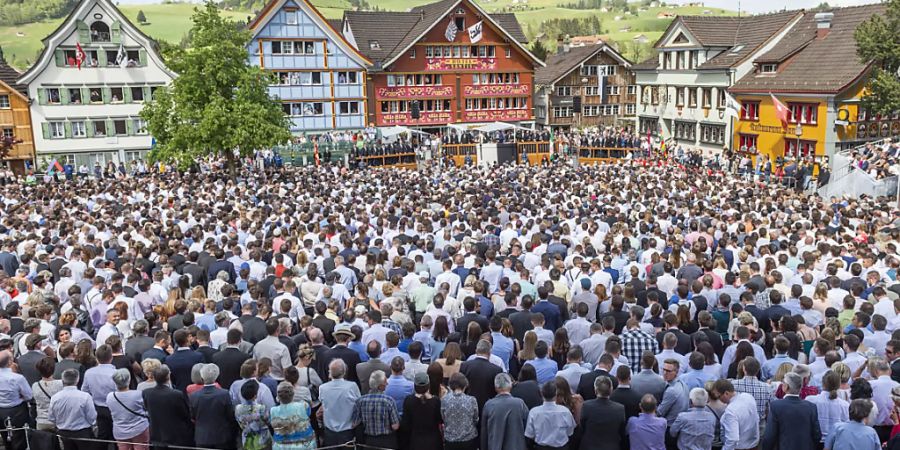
<point x="561" y="64"/>
<point x="337" y="24"/>
<point x="407" y="27"/>
<point x="740" y="37"/>
<point x="10" y="76"/>
<point x="835" y="52"/>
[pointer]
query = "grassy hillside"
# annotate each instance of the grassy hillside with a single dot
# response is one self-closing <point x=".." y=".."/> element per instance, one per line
<point x="170" y="22"/>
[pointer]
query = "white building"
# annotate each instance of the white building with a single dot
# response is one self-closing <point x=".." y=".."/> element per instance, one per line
<point x="681" y="90"/>
<point x="91" y="114"/>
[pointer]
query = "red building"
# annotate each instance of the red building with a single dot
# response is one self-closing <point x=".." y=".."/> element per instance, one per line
<point x="451" y="59"/>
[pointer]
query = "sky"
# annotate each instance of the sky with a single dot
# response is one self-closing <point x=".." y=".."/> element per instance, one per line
<point x="750" y="6"/>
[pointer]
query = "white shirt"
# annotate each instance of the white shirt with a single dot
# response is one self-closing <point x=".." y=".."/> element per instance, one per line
<point x="451" y="279"/>
<point x="579" y="329"/>
<point x="740" y="423"/>
<point x="885" y="307"/>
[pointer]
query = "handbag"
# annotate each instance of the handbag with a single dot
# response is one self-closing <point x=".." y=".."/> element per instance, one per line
<point x="313" y="389"/>
<point x="129" y="409"/>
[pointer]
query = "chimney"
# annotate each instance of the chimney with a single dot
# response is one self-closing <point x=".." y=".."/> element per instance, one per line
<point x="823" y="24"/>
<point x="560" y="43"/>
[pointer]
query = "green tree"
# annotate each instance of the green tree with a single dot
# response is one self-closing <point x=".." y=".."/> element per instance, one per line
<point x="538" y="50"/>
<point x="141" y="18"/>
<point x="218" y="105"/>
<point x="878" y="41"/>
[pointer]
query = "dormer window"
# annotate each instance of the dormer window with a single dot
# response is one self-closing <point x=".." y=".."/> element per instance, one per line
<point x="460" y="12"/>
<point x="768" y="68"/>
<point x="100" y="32"/>
<point x="737" y="49"/>
<point x="460" y="22"/>
<point x="374" y="45"/>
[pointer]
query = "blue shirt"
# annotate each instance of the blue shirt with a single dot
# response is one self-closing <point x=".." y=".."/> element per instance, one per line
<point x="853" y="436"/>
<point x="545" y="368"/>
<point x="647" y="432"/>
<point x="338" y="400"/>
<point x="771" y="366"/>
<point x="14" y="389"/>
<point x="207" y="321"/>
<point x="390" y="354"/>
<point x="487" y="308"/>
<point x="72" y="410"/>
<point x="99" y="383"/>
<point x="398" y="388"/>
<point x="694" y="429"/>
<point x="695" y="378"/>
<point x="503" y="348"/>
<point x="359" y="348"/>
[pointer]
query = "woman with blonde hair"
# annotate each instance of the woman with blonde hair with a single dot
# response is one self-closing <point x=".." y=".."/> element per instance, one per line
<point x="820" y="298"/>
<point x="843" y="372"/>
<point x="778" y="378"/>
<point x="466" y="290"/>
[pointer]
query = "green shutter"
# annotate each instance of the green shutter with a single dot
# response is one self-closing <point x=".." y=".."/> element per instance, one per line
<point x="84" y="32"/>
<point x="89" y="128"/>
<point x="110" y="127"/>
<point x="107" y="95"/>
<point x="129" y="126"/>
<point x="147" y="95"/>
<point x="101" y="58"/>
<point x="42" y="96"/>
<point x="60" y="58"/>
<point x="116" y="32"/>
<point x="45" y="127"/>
<point x="142" y="57"/>
<point x="63" y="96"/>
<point x="126" y="92"/>
<point x="68" y="126"/>
<point x="85" y="96"/>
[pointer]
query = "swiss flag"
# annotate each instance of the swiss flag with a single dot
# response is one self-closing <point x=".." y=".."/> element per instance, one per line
<point x="781" y="111"/>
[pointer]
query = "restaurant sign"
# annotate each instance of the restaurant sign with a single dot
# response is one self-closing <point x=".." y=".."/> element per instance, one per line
<point x="414" y="91"/>
<point x="767" y="129"/>
<point x="425" y="118"/>
<point x="447" y="64"/>
<point x="496" y="115"/>
<point x="497" y="89"/>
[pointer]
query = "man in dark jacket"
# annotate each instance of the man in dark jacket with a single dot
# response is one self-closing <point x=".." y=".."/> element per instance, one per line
<point x="213" y="413"/>
<point x="182" y="360"/>
<point x="169" y="413"/>
<point x="586" y="383"/>
<point x="602" y="419"/>
<point x="230" y="359"/>
<point x="480" y="372"/>
<point x="792" y="423"/>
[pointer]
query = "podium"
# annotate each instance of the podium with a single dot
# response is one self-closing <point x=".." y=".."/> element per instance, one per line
<point x="490" y="153"/>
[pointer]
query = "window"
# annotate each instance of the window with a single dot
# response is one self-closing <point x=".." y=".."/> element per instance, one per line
<point x="648" y="125"/>
<point x="460" y="23"/>
<point x="348" y="78"/>
<point x="96" y="94"/>
<point x="117" y="95"/>
<point x="290" y="17"/>
<point x="78" y="130"/>
<point x="428" y="51"/>
<point x="133" y="57"/>
<point x="7" y="133"/>
<point x="679" y="94"/>
<point x="310" y="78"/>
<point x="747" y="142"/>
<point x="721" y="98"/>
<point x="805" y="113"/>
<point x="75" y="96"/>
<point x="632" y="90"/>
<point x="692" y="97"/>
<point x="562" y="111"/>
<point x="53" y="96"/>
<point x="57" y="130"/>
<point x="606" y="70"/>
<point x="120" y="127"/>
<point x="137" y="94"/>
<point x="348" y="107"/>
<point x="590" y="110"/>
<point x="768" y="68"/>
<point x="588" y="70"/>
<point x="612" y="90"/>
<point x="508" y="51"/>
<point x="750" y="111"/>
<point x="695" y="58"/>
<point x="591" y="91"/>
<point x="564" y="91"/>
<point x="712" y="134"/>
<point x="807" y="148"/>
<point x="374" y="45"/>
<point x="629" y="109"/>
<point x="685" y="131"/>
<point x="100" y="32"/>
<point x="412" y="53"/>
<point x="293" y="48"/>
<point x="707" y="97"/>
<point x="4" y="102"/>
<point x="99" y="128"/>
<point x="139" y="126"/>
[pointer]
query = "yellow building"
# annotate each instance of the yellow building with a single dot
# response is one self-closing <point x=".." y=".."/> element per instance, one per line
<point x="817" y="74"/>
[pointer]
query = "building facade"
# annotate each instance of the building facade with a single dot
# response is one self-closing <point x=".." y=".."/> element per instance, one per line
<point x="681" y="90"/>
<point x="317" y="75"/>
<point x="584" y="87"/>
<point x="91" y="114"/>
<point x="824" y="113"/>
<point x="15" y="120"/>
<point x="446" y="62"/>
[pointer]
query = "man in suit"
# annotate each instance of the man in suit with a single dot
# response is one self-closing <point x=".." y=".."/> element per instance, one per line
<point x="194" y="270"/>
<point x="470" y="315"/>
<point x="203" y="346"/>
<point x="230" y="359"/>
<point x="792" y="423"/>
<point x="169" y="412"/>
<point x="480" y="372"/>
<point x="28" y="361"/>
<point x="892" y="353"/>
<point x="139" y="343"/>
<point x="602" y="420"/>
<point x="624" y="395"/>
<point x="705" y="319"/>
<point x="365" y="370"/>
<point x="213" y="413"/>
<point x="8" y="260"/>
<point x="254" y="325"/>
<point x="521" y="321"/>
<point x="586" y="384"/>
<point x="221" y="265"/>
<point x="551" y="311"/>
<point x="343" y="336"/>
<point x="684" y="345"/>
<point x="182" y="360"/>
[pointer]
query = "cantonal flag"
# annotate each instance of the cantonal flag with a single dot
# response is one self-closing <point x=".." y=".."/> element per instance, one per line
<point x="781" y="111"/>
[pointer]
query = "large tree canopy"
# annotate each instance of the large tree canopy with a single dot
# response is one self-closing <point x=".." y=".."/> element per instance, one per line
<point x="878" y="40"/>
<point x="218" y="104"/>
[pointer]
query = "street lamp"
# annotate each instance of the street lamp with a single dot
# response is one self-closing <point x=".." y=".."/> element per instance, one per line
<point x="798" y="131"/>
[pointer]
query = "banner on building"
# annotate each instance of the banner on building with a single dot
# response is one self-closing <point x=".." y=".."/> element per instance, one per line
<point x="475" y="33"/>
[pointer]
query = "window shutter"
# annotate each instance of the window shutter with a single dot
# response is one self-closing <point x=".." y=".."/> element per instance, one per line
<point x="60" y="58"/>
<point x="129" y="126"/>
<point x="45" y="128"/>
<point x="142" y="57"/>
<point x="116" y="32"/>
<point x="42" y="96"/>
<point x="147" y="94"/>
<point x="84" y="32"/>
<point x="110" y="127"/>
<point x="85" y="96"/>
<point x="63" y="96"/>
<point x="107" y="95"/>
<point x="101" y="58"/>
<point x="89" y="128"/>
<point x="126" y="93"/>
<point x="68" y="127"/>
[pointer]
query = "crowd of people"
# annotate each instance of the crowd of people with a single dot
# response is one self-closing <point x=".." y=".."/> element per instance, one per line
<point x="879" y="161"/>
<point x="643" y="306"/>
